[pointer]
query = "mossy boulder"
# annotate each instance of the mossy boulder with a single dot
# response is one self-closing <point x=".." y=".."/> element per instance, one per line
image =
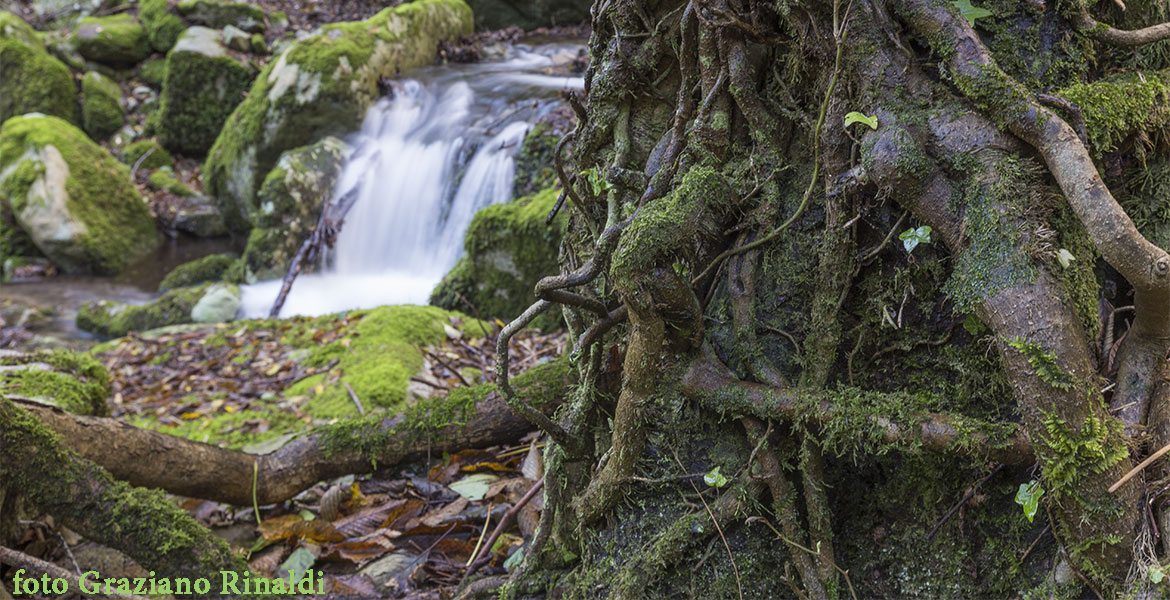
<point x="32" y="80"/>
<point x="200" y="270"/>
<point x="320" y="86"/>
<point x="101" y="105"/>
<point x="117" y="40"/>
<point x="157" y="158"/>
<point x="72" y="197"/>
<point x="534" y="160"/>
<point x="164" y="180"/>
<point x="75" y="382"/>
<point x="498" y="14"/>
<point x="210" y="13"/>
<point x="154" y="71"/>
<point x="162" y="26"/>
<point x="203" y="85"/>
<point x="198" y="215"/>
<point x="508" y="249"/>
<point x="200" y="304"/>
<point x="289" y="205"/>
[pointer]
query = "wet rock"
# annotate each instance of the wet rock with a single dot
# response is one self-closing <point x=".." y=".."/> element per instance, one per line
<point x="199" y="216"/>
<point x="71" y="197"/>
<point x="203" y="85"/>
<point x="321" y="86"/>
<point x="206" y="303"/>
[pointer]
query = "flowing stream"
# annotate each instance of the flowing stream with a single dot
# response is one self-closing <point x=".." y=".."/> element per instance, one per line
<point x="427" y="158"/>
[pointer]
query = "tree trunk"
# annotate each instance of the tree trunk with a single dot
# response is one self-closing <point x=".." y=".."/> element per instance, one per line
<point x="743" y="246"/>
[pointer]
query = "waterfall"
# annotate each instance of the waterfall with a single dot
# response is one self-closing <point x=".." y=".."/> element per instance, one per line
<point x="426" y="159"/>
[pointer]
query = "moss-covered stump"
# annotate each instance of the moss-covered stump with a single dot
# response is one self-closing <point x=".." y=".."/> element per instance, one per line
<point x="508" y="249"/>
<point x="201" y="270"/>
<point x="498" y="14"/>
<point x="33" y="81"/>
<point x="101" y="105"/>
<point x="212" y="13"/>
<point x="72" y="197"/>
<point x="322" y="86"/>
<point x="289" y="205"/>
<point x="162" y="27"/>
<point x="207" y="303"/>
<point x="116" y="40"/>
<point x="157" y="157"/>
<point x="74" y="382"/>
<point x="203" y="85"/>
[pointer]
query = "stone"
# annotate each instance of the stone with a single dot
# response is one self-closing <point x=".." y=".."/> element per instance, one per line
<point x="115" y="319"/>
<point x="201" y="270"/>
<point x="71" y="197"/>
<point x="237" y="39"/>
<point x="508" y="248"/>
<point x="101" y="106"/>
<point x="117" y="40"/>
<point x="219" y="304"/>
<point x="289" y="205"/>
<point x="162" y="26"/>
<point x="203" y="85"/>
<point x="210" y="13"/>
<point x="321" y="86"/>
<point x="33" y="80"/>
<point x="199" y="216"/>
<point x="157" y="157"/>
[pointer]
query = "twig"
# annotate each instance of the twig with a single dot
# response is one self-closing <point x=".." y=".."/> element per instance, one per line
<point x="730" y="555"/>
<point x="510" y="516"/>
<point x="69" y="553"/>
<point x="1034" y="542"/>
<point x="353" y="396"/>
<point x="138" y="162"/>
<point x="435" y="356"/>
<point x="1142" y="465"/>
<point x="843" y="572"/>
<point x="962" y="501"/>
<point x="479" y="543"/>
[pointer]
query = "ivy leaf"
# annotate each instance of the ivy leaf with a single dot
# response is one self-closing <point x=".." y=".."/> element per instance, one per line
<point x="856" y="117"/>
<point x="912" y="237"/>
<point x="973" y="325"/>
<point x="1156" y="574"/>
<point x="970" y="11"/>
<point x="1065" y="258"/>
<point x="715" y="479"/>
<point x="1028" y="496"/>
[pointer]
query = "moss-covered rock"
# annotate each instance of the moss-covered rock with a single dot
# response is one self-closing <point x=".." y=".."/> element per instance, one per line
<point x="157" y="158"/>
<point x="289" y="205"/>
<point x="199" y="216"/>
<point x="201" y="270"/>
<point x="114" y="40"/>
<point x="498" y="14"/>
<point x="165" y="181"/>
<point x="101" y="105"/>
<point x="203" y="85"/>
<point x="72" y="197"/>
<point x="33" y="81"/>
<point x="508" y="249"/>
<point x="175" y="307"/>
<point x="211" y="13"/>
<point x="74" y="382"/>
<point x="321" y="86"/>
<point x="162" y="27"/>
<point x="154" y="71"/>
<point x="534" y="160"/>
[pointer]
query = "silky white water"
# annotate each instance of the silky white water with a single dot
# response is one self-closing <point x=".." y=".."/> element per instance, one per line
<point x="426" y="159"/>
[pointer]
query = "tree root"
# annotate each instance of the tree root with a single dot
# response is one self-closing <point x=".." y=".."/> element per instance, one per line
<point x="197" y="470"/>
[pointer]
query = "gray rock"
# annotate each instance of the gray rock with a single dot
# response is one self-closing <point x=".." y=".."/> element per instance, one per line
<point x="199" y="216"/>
<point x="237" y="39"/>
<point x="219" y="304"/>
<point x="203" y="85"/>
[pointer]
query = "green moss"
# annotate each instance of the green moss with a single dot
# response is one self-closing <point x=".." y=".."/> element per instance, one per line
<point x="162" y="27"/>
<point x="164" y="180"/>
<point x="208" y="268"/>
<point x="1119" y="105"/>
<point x="322" y="86"/>
<point x="534" y="161"/>
<point x="199" y="93"/>
<point x="158" y="158"/>
<point x="1072" y="452"/>
<point x="259" y="46"/>
<point x="116" y="39"/>
<point x="1043" y="363"/>
<point x="508" y="248"/>
<point x="75" y="382"/>
<point x="115" y="319"/>
<point x="33" y="80"/>
<point x="230" y="429"/>
<point x="213" y="13"/>
<point x="101" y="108"/>
<point x="154" y="72"/>
<point x="118" y="225"/>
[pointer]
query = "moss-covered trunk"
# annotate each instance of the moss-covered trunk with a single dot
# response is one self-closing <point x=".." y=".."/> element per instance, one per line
<point x="863" y="221"/>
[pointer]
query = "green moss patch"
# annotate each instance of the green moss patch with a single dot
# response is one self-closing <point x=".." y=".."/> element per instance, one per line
<point x="1117" y="106"/>
<point x="158" y="158"/>
<point x="33" y="80"/>
<point x="114" y="40"/>
<point x="75" y="382"/>
<point x="208" y="268"/>
<point x="203" y="85"/>
<point x="162" y="27"/>
<point x="101" y="108"/>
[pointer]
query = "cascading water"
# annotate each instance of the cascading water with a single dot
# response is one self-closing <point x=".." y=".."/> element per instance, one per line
<point x="426" y="159"/>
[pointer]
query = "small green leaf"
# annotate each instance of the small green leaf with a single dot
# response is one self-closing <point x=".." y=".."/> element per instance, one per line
<point x="973" y="325"/>
<point x="1156" y="574"/>
<point x="715" y="479"/>
<point x="514" y="560"/>
<point x="300" y="561"/>
<point x="912" y="237"/>
<point x="856" y="117"/>
<point x="1028" y="496"/>
<point x="1065" y="258"/>
<point x="970" y="11"/>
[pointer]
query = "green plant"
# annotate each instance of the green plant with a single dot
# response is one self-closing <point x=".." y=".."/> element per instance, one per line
<point x="1028" y="497"/>
<point x="912" y="237"/>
